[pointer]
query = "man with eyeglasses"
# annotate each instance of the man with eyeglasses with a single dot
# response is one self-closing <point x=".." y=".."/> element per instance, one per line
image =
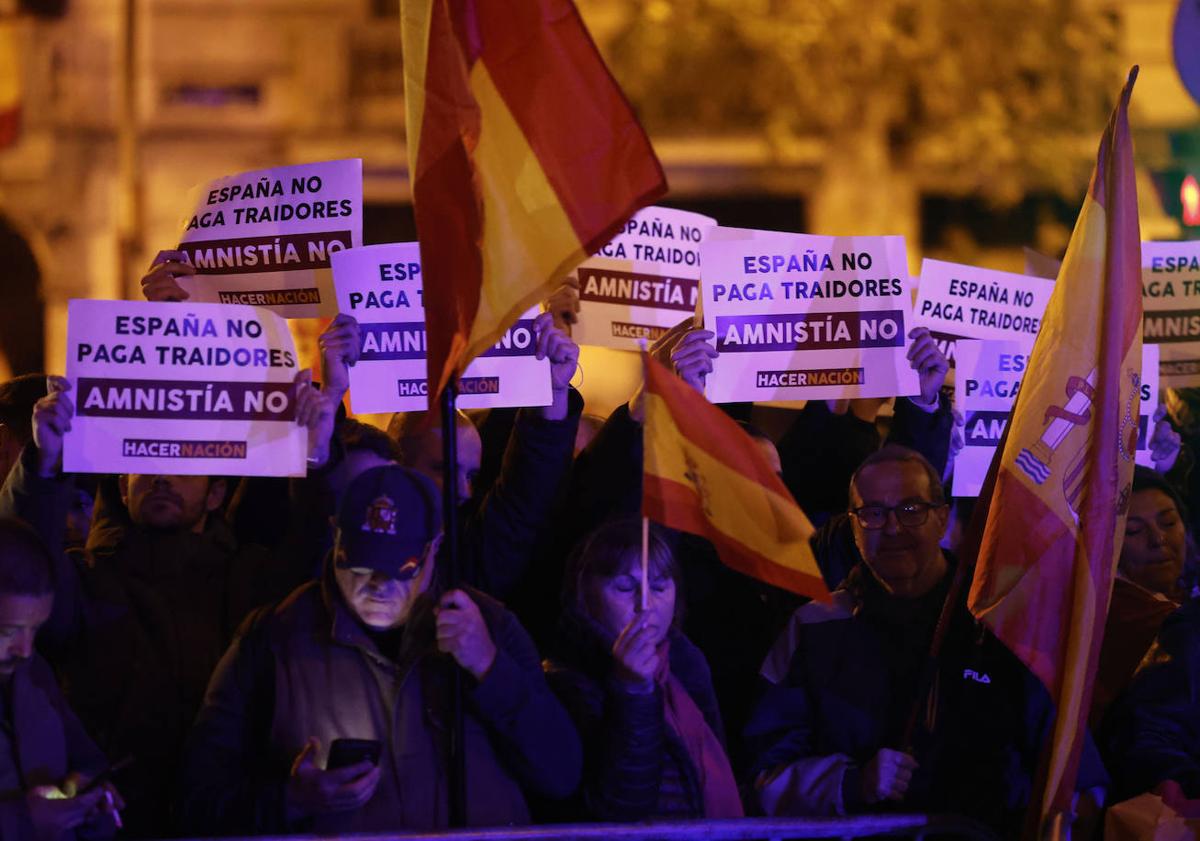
<point x="367" y="654"/>
<point x="849" y="723"/>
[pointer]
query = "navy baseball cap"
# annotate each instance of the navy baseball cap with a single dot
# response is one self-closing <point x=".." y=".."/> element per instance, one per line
<point x="387" y="520"/>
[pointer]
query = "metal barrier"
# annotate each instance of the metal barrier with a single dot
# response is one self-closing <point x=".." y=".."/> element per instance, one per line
<point x="919" y="827"/>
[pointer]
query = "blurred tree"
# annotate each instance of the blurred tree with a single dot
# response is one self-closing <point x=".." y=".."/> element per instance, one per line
<point x="995" y="98"/>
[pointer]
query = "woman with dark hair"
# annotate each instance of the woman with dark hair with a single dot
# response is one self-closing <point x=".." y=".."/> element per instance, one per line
<point x="640" y="693"/>
<point x="1156" y="573"/>
<point x="1157" y="554"/>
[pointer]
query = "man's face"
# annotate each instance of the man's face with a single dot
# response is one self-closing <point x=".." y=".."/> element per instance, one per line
<point x="380" y="601"/>
<point x="906" y="560"/>
<point x="20" y="618"/>
<point x="428" y="459"/>
<point x="1155" y="540"/>
<point x="171" y="502"/>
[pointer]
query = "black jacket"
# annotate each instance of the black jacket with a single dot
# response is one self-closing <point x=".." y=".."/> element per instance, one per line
<point x="140" y="620"/>
<point x="305" y="668"/>
<point x="1152" y="732"/>
<point x="843" y="680"/>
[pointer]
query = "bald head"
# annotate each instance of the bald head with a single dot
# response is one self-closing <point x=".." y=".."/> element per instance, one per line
<point x="420" y="440"/>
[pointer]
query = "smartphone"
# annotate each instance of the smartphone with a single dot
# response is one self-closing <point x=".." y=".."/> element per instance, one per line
<point x="106" y="775"/>
<point x="346" y="752"/>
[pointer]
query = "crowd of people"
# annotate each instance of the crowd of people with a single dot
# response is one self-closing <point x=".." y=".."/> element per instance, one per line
<point x="222" y="655"/>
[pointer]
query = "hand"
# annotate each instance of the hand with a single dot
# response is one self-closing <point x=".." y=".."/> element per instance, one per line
<point x="692" y="357"/>
<point x="1173" y="795"/>
<point x="887" y="776"/>
<point x="316" y="412"/>
<point x="929" y="362"/>
<point x="662" y="347"/>
<point x="51" y="421"/>
<point x="635" y="655"/>
<point x="563" y="305"/>
<point x="314" y="791"/>
<point x="340" y="345"/>
<point x="77" y="782"/>
<point x="111" y="802"/>
<point x="557" y="346"/>
<point x="1165" y="442"/>
<point x="663" y="351"/>
<point x="160" y="282"/>
<point x="958" y="441"/>
<point x="462" y="633"/>
<point x="53" y="813"/>
<point x="563" y="353"/>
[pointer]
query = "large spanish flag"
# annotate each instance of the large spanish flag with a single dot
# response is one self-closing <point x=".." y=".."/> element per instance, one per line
<point x="703" y="474"/>
<point x="10" y="81"/>
<point x="1054" y="528"/>
<point x="524" y="158"/>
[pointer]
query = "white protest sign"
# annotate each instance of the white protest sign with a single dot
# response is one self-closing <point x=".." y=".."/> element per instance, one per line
<point x="799" y="317"/>
<point x="1151" y="360"/>
<point x="380" y="285"/>
<point x="1171" y="308"/>
<point x="264" y="238"/>
<point x="988" y="378"/>
<point x="1038" y="264"/>
<point x="643" y="282"/>
<point x="184" y="389"/>
<point x="986" y="381"/>
<point x="967" y="302"/>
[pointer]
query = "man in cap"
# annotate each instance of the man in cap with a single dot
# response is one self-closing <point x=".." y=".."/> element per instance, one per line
<point x="368" y="653"/>
<point x="46" y="757"/>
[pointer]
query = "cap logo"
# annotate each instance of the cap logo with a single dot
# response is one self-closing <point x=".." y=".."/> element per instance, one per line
<point x="381" y="516"/>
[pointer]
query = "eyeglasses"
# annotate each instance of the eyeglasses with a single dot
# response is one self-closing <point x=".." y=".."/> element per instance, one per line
<point x="910" y="514"/>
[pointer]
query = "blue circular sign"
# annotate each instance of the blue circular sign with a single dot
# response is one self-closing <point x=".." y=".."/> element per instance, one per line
<point x="1187" y="45"/>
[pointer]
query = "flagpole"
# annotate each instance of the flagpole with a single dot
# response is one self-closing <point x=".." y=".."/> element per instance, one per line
<point x="457" y="776"/>
<point x="645" y="519"/>
<point x="645" y="563"/>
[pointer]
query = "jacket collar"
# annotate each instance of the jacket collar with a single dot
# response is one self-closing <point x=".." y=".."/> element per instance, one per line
<point x="346" y="630"/>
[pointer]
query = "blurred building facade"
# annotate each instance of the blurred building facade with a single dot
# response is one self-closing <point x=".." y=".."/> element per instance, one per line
<point x="126" y="104"/>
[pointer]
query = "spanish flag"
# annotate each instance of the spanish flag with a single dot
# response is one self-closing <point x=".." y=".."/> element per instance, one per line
<point x="703" y="474"/>
<point x="10" y="82"/>
<point x="1054" y="528"/>
<point x="524" y="158"/>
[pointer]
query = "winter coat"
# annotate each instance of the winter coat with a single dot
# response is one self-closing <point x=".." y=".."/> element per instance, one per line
<point x="634" y="767"/>
<point x="306" y="668"/>
<point x="1152" y="732"/>
<point x="41" y="742"/>
<point x="843" y="680"/>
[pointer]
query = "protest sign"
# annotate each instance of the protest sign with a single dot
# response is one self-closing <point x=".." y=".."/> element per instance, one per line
<point x="1038" y="264"/>
<point x="1171" y="309"/>
<point x="967" y="302"/>
<point x="643" y="282"/>
<point x="182" y="389"/>
<point x="1151" y="361"/>
<point x="264" y="238"/>
<point x="380" y="285"/>
<point x="988" y="378"/>
<point x="799" y="317"/>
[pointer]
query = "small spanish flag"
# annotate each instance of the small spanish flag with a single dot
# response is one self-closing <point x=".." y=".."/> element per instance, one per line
<point x="524" y="158"/>
<point x="704" y="475"/>
<point x="10" y="82"/>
